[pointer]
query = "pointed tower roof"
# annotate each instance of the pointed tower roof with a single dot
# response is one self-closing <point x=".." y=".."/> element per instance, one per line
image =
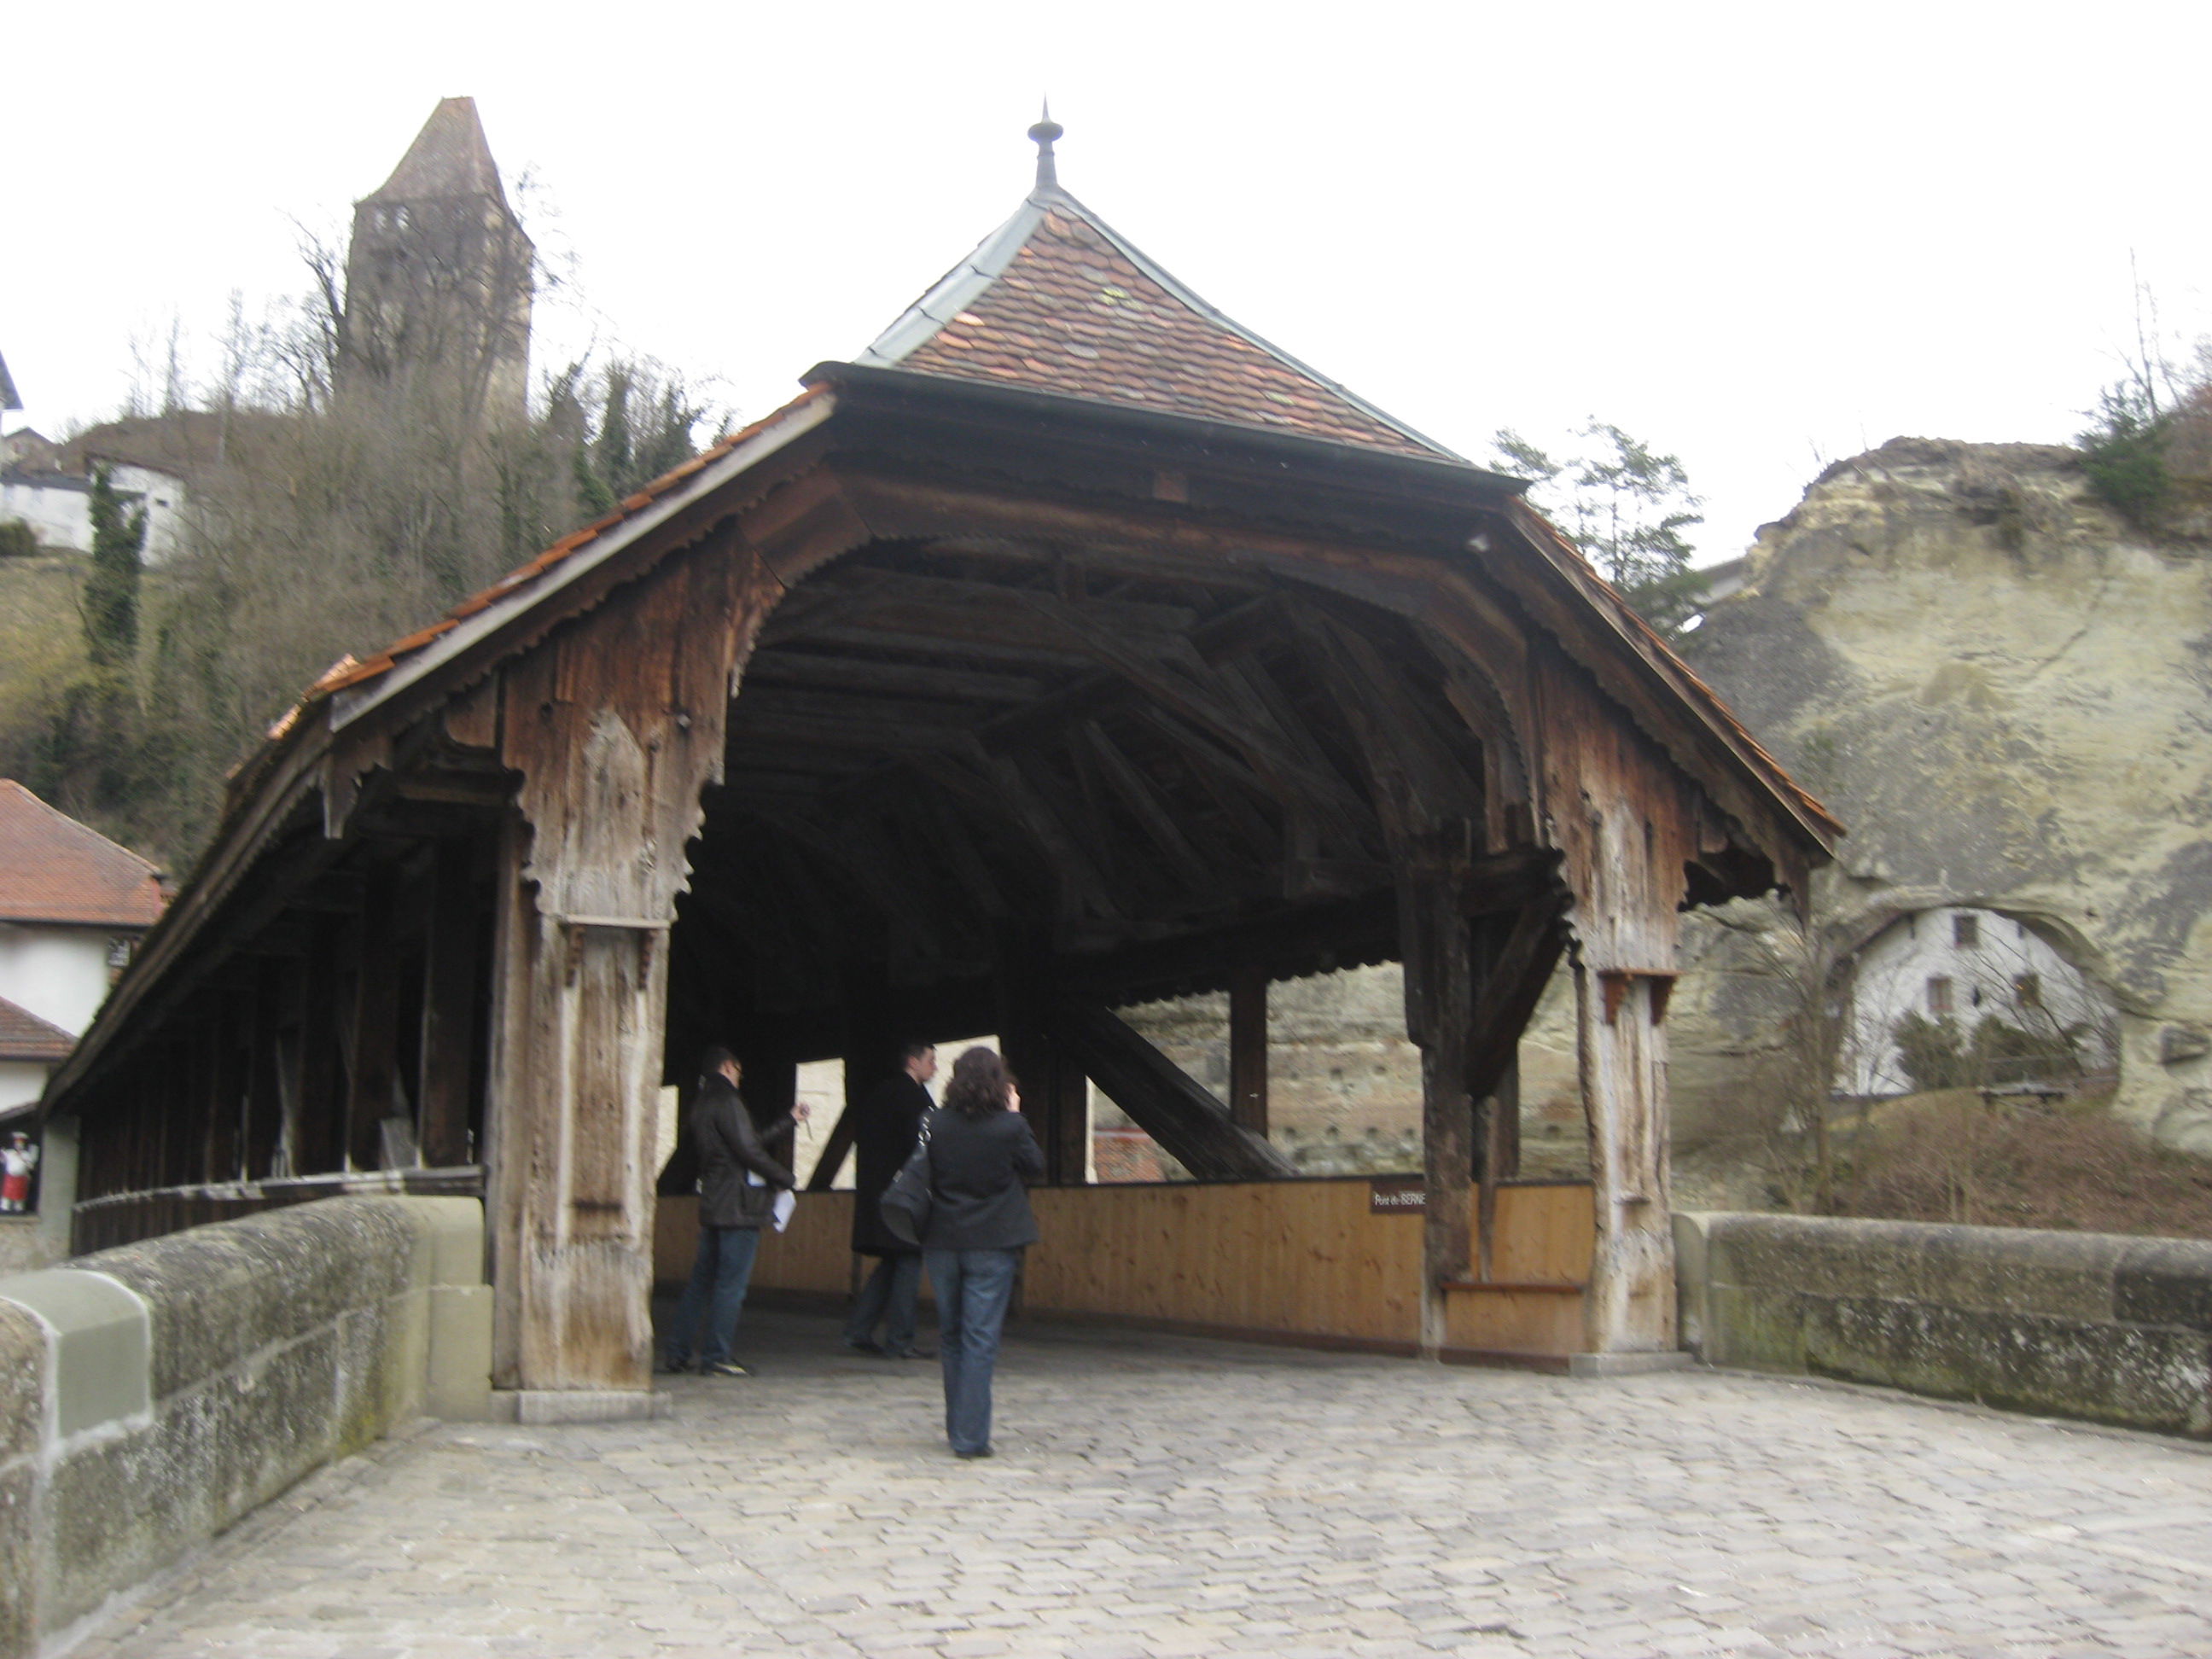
<point x="449" y="157"/>
<point x="1057" y="300"/>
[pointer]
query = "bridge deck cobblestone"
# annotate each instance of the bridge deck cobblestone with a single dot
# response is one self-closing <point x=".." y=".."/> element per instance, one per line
<point x="1157" y="1497"/>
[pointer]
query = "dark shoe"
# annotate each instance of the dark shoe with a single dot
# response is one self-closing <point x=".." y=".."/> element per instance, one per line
<point x="980" y="1451"/>
<point x="723" y="1368"/>
<point x="911" y="1353"/>
<point x="671" y="1366"/>
<point x="863" y="1347"/>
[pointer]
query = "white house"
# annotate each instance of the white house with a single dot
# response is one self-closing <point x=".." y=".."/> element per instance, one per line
<point x="72" y="905"/>
<point x="149" y="459"/>
<point x="1965" y="965"/>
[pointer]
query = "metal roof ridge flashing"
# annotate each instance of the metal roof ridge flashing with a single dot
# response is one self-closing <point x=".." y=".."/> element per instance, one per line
<point x="955" y="291"/>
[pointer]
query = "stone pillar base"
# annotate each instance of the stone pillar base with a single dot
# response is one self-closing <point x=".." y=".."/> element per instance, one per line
<point x="579" y="1405"/>
<point x="1627" y="1364"/>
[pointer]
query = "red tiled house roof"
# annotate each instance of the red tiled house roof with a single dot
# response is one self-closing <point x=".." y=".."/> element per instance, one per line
<point x="1056" y="299"/>
<point x="53" y="869"/>
<point x="25" y="1036"/>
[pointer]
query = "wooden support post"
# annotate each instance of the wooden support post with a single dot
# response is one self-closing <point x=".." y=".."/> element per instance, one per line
<point x="1067" y="1162"/>
<point x="1166" y="1101"/>
<point x="614" y="729"/>
<point x="264" y="1098"/>
<point x="1055" y="1091"/>
<point x="320" y="1148"/>
<point x="1247" y="1049"/>
<point x="227" y="1024"/>
<point x="1498" y="1157"/>
<point x="1623" y="1054"/>
<point x="870" y="1057"/>
<point x="452" y="967"/>
<point x="1440" y="989"/>
<point x="182" y="1147"/>
<point x="577" y="1065"/>
<point x="372" y="1088"/>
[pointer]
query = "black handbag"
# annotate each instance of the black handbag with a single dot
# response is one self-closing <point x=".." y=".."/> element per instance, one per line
<point x="906" y="1202"/>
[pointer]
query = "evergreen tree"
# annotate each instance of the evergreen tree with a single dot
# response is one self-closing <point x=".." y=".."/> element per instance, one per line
<point x="110" y="602"/>
<point x="1626" y="505"/>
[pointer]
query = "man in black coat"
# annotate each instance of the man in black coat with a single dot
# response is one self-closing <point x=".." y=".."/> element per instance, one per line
<point x="890" y="1123"/>
<point x="739" y="1181"/>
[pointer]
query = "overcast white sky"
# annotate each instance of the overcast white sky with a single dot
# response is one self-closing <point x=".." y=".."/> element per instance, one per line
<point x="1761" y="236"/>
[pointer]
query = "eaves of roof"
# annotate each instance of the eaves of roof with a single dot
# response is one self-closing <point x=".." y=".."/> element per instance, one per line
<point x="354" y="688"/>
<point x="26" y="1038"/>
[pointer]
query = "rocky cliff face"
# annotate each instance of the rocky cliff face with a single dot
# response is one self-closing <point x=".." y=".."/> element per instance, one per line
<point x="2001" y="689"/>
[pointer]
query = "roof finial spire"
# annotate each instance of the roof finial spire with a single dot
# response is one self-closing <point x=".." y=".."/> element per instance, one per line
<point x="1042" y="134"/>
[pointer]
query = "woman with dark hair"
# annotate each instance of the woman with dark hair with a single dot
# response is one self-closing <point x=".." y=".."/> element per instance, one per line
<point x="981" y="1156"/>
<point x="739" y="1180"/>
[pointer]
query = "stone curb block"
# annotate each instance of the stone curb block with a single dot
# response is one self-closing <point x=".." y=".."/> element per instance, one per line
<point x="2105" y="1327"/>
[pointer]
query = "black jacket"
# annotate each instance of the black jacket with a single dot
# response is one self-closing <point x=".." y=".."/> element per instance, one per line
<point x="889" y="1119"/>
<point x="722" y="1129"/>
<point x="978" y="1167"/>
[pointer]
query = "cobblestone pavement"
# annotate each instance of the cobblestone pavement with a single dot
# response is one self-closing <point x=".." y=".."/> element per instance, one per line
<point x="1156" y="1496"/>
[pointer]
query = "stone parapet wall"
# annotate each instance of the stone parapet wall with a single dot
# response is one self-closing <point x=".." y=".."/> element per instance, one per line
<point x="2096" y="1326"/>
<point x="152" y="1395"/>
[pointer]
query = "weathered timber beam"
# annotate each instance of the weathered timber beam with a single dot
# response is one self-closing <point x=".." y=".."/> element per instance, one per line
<point x="1081" y="887"/>
<point x="1414" y="784"/>
<point x="1076" y="609"/>
<point x="1247" y="1049"/>
<point x="956" y="844"/>
<point x="964" y="651"/>
<point x="1174" y="674"/>
<point x="1516" y="964"/>
<point x="1288" y="944"/>
<point x="797" y="667"/>
<point x="1165" y="1101"/>
<point x="818" y="704"/>
<point x="825" y="735"/>
<point x="1215" y="641"/>
<point x="1136" y="795"/>
<point x="1124" y="559"/>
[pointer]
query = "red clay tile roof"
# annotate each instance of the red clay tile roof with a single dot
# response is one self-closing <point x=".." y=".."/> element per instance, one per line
<point x="24" y="1036"/>
<point x="54" y="869"/>
<point x="1057" y="301"/>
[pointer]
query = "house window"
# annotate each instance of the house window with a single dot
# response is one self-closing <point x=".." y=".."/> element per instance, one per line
<point x="1966" y="932"/>
<point x="1939" y="996"/>
<point x="2028" y="990"/>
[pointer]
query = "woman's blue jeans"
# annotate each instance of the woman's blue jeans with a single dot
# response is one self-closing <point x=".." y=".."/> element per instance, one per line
<point x="719" y="1273"/>
<point x="973" y="1288"/>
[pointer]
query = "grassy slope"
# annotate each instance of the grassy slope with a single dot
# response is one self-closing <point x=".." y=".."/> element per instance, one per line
<point x="40" y="642"/>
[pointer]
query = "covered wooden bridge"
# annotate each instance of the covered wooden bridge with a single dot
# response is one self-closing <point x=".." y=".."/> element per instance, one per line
<point x="1073" y="648"/>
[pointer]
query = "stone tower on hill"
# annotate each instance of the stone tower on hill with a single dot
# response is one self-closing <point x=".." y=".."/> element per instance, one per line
<point x="438" y="276"/>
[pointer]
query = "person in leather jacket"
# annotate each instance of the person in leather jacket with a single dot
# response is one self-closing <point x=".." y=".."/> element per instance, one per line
<point x="738" y="1184"/>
